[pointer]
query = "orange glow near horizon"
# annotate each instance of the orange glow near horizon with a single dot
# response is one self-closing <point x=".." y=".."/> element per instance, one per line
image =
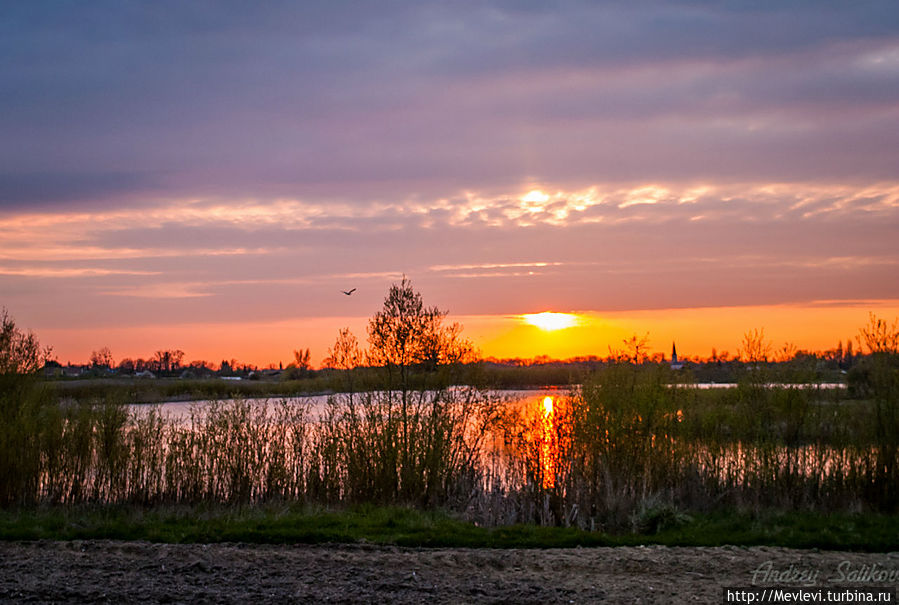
<point x="815" y="327"/>
<point x="696" y="331"/>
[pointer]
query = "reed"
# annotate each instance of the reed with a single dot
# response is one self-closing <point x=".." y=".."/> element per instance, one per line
<point x="629" y="448"/>
<point x="626" y="451"/>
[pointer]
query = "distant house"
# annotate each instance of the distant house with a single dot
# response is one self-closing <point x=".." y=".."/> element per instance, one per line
<point x="675" y="364"/>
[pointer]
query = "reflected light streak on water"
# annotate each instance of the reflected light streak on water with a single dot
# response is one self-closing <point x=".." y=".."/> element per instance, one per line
<point x="548" y="444"/>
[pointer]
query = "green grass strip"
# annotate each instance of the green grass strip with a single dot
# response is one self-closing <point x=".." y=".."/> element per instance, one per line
<point x="409" y="527"/>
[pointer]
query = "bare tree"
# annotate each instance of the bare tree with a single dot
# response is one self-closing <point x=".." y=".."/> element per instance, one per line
<point x="755" y="348"/>
<point x="301" y="359"/>
<point x="405" y="335"/>
<point x="168" y="360"/>
<point x="345" y="354"/>
<point x="788" y="352"/>
<point x="202" y="364"/>
<point x="301" y="366"/>
<point x="20" y="352"/>
<point x="637" y="348"/>
<point x="879" y="336"/>
<point x="102" y="358"/>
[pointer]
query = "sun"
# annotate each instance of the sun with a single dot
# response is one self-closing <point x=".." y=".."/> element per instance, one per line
<point x="535" y="196"/>
<point x="550" y="321"/>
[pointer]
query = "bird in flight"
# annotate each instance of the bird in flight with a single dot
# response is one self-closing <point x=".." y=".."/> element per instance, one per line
<point x="348" y="292"/>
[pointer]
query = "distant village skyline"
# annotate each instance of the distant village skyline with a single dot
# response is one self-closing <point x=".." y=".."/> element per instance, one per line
<point x="557" y="344"/>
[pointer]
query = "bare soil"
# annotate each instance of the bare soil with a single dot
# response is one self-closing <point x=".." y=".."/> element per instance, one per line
<point x="100" y="571"/>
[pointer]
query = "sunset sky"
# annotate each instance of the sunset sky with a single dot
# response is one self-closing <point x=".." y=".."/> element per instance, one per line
<point x="210" y="175"/>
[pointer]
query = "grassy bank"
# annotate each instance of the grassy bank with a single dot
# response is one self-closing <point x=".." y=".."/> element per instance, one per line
<point x="131" y="390"/>
<point x="416" y="528"/>
<point x="140" y="390"/>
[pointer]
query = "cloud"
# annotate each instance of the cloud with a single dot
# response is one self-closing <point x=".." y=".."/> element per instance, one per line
<point x="605" y="246"/>
<point x="62" y="272"/>
<point x="117" y="104"/>
<point x="30" y="188"/>
<point x="256" y="227"/>
<point x="494" y="266"/>
<point x="161" y="290"/>
<point x="211" y="161"/>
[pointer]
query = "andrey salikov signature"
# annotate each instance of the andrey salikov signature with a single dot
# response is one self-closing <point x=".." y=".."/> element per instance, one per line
<point x="845" y="573"/>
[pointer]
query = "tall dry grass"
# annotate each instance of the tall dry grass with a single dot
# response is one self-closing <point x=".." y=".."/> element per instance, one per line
<point x="627" y="450"/>
<point x="630" y="449"/>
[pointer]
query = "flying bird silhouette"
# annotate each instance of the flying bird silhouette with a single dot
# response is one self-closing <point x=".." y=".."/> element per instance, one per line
<point x="348" y="292"/>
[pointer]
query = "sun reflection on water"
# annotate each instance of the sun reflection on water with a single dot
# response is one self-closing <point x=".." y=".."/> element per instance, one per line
<point x="548" y="444"/>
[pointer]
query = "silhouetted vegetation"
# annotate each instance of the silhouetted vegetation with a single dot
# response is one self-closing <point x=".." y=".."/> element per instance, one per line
<point x="633" y="446"/>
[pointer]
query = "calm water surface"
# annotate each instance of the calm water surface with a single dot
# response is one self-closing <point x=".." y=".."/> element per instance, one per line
<point x="513" y="396"/>
<point x="317" y="403"/>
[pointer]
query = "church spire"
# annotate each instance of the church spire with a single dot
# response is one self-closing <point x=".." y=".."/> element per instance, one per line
<point x="675" y="364"/>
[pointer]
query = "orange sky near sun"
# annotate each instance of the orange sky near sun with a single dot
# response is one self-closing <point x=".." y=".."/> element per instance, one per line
<point x="696" y="331"/>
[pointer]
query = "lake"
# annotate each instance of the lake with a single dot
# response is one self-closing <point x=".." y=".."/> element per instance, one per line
<point x="316" y="403"/>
